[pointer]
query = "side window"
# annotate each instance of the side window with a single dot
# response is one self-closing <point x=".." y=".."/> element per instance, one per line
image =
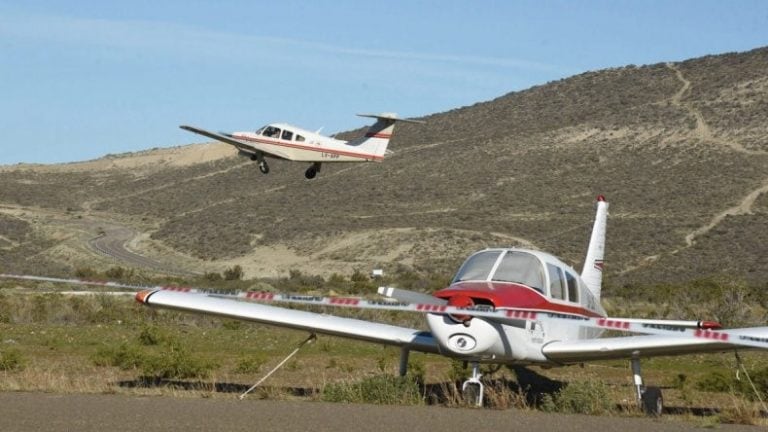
<point x="556" y="282"/>
<point x="573" y="287"/>
<point x="287" y="135"/>
<point x="299" y="138"/>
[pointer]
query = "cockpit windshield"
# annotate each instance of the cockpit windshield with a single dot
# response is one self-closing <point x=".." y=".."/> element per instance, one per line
<point x="478" y="266"/>
<point x="271" y="131"/>
<point x="514" y="266"/>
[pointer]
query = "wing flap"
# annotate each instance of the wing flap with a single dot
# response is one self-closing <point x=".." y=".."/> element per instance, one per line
<point x="299" y="320"/>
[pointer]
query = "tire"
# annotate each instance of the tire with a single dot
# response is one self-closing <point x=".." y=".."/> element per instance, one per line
<point x="652" y="402"/>
<point x="310" y="173"/>
<point x="263" y="167"/>
<point x="471" y="394"/>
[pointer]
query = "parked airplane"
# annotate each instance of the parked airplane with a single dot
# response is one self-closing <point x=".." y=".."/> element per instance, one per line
<point x="283" y="141"/>
<point x="504" y="306"/>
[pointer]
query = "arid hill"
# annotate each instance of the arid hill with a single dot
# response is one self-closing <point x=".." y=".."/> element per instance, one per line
<point x="679" y="149"/>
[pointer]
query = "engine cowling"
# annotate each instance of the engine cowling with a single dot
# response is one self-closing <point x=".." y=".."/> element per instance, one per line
<point x="476" y="338"/>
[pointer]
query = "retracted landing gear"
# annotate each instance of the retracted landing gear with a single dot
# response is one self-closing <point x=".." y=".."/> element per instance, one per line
<point x="649" y="398"/>
<point x="312" y="171"/>
<point x="473" y="389"/>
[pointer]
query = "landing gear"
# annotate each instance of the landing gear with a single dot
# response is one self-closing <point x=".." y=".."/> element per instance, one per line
<point x="312" y="171"/>
<point x="473" y="389"/>
<point x="649" y="398"/>
<point x="263" y="167"/>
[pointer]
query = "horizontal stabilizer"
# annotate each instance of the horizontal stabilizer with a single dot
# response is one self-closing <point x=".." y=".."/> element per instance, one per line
<point x="391" y="117"/>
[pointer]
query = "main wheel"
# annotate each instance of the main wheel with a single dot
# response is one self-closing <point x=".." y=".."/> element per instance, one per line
<point x="652" y="401"/>
<point x="263" y="167"/>
<point x="310" y="173"/>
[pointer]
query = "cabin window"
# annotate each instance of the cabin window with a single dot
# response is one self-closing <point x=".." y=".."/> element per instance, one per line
<point x="260" y="130"/>
<point x="287" y="135"/>
<point x="478" y="266"/>
<point x="299" y="138"/>
<point x="573" y="287"/>
<point x="556" y="282"/>
<point x="522" y="268"/>
<point x="271" y="132"/>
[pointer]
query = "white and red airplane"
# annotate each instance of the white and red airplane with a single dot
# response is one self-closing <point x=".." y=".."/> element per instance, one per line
<point x="504" y="306"/>
<point x="283" y="141"/>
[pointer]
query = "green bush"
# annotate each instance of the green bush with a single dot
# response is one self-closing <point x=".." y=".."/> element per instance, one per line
<point x="378" y="389"/>
<point x="580" y="397"/>
<point x="125" y="356"/>
<point x="176" y="362"/>
<point x="248" y="365"/>
<point x="11" y="360"/>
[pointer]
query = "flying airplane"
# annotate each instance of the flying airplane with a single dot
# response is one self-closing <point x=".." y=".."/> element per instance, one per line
<point x="283" y="141"/>
<point x="507" y="306"/>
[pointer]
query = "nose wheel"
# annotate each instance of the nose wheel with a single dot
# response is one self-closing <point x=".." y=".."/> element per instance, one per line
<point x="473" y="389"/>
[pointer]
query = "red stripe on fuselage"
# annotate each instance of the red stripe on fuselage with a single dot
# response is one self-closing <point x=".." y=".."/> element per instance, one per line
<point x="378" y="135"/>
<point x="314" y="149"/>
<point x="508" y="295"/>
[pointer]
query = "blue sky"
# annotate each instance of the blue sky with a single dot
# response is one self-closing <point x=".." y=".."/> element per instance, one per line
<point x="81" y="79"/>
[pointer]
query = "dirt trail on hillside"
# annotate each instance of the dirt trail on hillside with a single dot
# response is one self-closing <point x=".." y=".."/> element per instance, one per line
<point x="704" y="133"/>
<point x="702" y="130"/>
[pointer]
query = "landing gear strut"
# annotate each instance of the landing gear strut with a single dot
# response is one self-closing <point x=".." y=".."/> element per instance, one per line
<point x="312" y="171"/>
<point x="649" y="398"/>
<point x="473" y="389"/>
<point x="263" y="167"/>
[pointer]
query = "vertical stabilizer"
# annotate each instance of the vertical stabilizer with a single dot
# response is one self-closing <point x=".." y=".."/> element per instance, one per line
<point x="377" y="137"/>
<point x="592" y="274"/>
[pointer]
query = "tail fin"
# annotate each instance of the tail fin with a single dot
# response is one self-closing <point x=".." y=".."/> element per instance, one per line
<point x="377" y="137"/>
<point x="592" y="273"/>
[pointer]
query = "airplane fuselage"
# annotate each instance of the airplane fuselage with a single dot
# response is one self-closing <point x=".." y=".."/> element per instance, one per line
<point x="513" y="279"/>
<point x="296" y="144"/>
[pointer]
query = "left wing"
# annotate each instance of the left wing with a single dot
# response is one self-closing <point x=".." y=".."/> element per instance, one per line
<point x="652" y="345"/>
<point x="300" y="320"/>
<point x="225" y="138"/>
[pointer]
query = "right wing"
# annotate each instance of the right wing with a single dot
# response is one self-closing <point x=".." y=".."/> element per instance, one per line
<point x="650" y="345"/>
<point x="225" y="138"/>
<point x="295" y="319"/>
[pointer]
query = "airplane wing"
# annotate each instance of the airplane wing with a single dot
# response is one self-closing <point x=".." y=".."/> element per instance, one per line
<point x="643" y="346"/>
<point x="223" y="138"/>
<point x="413" y="339"/>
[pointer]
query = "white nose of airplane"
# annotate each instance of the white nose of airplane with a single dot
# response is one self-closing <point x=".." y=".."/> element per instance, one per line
<point x="479" y="338"/>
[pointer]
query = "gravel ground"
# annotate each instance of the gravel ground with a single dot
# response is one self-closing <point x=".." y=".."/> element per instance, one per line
<point x="48" y="412"/>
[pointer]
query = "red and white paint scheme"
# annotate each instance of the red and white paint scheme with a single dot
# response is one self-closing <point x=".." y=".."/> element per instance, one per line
<point x="504" y="306"/>
<point x="283" y="141"/>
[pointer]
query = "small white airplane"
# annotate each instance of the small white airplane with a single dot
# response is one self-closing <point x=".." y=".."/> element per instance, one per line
<point x="504" y="306"/>
<point x="283" y="141"/>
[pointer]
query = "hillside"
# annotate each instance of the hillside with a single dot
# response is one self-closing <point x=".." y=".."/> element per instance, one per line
<point x="680" y="150"/>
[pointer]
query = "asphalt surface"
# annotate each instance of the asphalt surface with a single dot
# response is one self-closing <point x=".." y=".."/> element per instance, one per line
<point x="24" y="412"/>
<point x="112" y="243"/>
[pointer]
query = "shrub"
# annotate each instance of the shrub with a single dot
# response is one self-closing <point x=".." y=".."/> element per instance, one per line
<point x="176" y="362"/>
<point x="378" y="389"/>
<point x="580" y="397"/>
<point x="11" y="360"/>
<point x="233" y="273"/>
<point x="125" y="357"/>
<point x="247" y="365"/>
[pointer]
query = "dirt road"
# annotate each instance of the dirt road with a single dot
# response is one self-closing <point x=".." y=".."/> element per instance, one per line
<point x="22" y="412"/>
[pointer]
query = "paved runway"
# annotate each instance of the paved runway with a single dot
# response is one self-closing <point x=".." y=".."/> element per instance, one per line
<point x="26" y="412"/>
